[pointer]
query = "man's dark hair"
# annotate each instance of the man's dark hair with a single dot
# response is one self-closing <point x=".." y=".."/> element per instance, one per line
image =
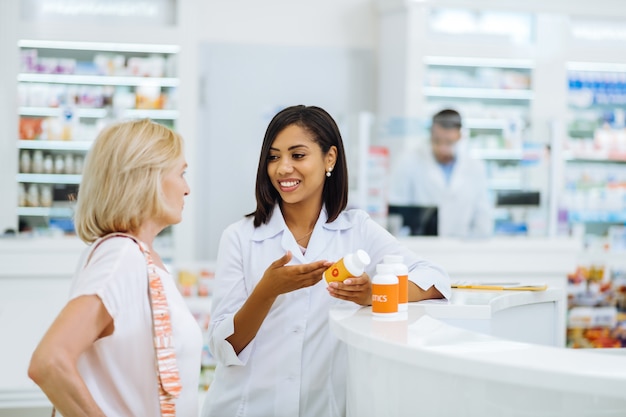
<point x="448" y="119"/>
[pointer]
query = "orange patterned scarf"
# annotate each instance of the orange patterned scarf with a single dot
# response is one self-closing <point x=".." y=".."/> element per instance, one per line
<point x="166" y="369"/>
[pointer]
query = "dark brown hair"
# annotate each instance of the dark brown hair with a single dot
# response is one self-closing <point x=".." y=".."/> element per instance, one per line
<point x="325" y="133"/>
<point x="448" y="119"/>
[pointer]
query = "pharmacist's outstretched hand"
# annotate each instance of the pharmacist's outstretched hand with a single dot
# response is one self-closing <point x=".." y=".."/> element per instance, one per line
<point x="280" y="278"/>
<point x="357" y="290"/>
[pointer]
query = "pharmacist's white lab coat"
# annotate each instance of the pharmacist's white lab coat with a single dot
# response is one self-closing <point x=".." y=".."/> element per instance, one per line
<point x="295" y="366"/>
<point x="465" y="208"/>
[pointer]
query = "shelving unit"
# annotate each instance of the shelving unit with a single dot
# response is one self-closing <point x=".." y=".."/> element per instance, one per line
<point x="478" y="93"/>
<point x="67" y="92"/>
<point x="99" y="113"/>
<point x="596" y="296"/>
<point x="595" y="146"/>
<point x="494" y="98"/>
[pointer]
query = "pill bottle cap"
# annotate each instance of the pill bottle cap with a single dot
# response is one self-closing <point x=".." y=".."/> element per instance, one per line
<point x="393" y="259"/>
<point x="384" y="269"/>
<point x="361" y="259"/>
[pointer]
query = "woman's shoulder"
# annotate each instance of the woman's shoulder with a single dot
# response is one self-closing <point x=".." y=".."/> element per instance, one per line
<point x="242" y="227"/>
<point x="246" y="222"/>
<point x="351" y="216"/>
<point x="118" y="251"/>
<point x="110" y="268"/>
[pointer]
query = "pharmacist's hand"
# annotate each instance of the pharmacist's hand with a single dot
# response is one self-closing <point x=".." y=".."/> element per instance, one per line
<point x="356" y="289"/>
<point x="280" y="278"/>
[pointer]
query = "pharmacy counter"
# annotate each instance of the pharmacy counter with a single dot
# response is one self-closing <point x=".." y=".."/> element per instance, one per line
<point x="441" y="360"/>
<point x="34" y="286"/>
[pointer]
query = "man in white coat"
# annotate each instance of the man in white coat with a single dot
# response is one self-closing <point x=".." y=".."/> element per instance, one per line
<point x="439" y="175"/>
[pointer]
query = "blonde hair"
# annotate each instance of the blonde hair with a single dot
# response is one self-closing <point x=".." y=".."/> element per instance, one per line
<point x="121" y="182"/>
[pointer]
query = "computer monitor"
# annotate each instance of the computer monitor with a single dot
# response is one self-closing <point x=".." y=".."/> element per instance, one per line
<point x="421" y="220"/>
<point x="517" y="198"/>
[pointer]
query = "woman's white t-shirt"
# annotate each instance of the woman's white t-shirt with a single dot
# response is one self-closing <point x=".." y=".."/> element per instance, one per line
<point x="119" y="370"/>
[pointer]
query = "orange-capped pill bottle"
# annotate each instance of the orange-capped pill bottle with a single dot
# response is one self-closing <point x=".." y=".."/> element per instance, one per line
<point x="351" y="265"/>
<point x="402" y="272"/>
<point x="385" y="292"/>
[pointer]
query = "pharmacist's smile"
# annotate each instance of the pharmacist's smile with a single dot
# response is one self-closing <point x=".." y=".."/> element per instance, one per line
<point x="288" y="184"/>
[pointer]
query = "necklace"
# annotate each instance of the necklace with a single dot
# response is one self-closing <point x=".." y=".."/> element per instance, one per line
<point x="307" y="235"/>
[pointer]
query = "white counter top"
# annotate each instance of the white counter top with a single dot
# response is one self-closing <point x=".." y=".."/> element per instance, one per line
<point x="481" y="304"/>
<point x="422" y="362"/>
<point x="39" y="256"/>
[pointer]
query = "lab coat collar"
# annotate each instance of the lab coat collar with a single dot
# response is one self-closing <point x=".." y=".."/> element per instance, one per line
<point x="317" y="242"/>
<point x="275" y="226"/>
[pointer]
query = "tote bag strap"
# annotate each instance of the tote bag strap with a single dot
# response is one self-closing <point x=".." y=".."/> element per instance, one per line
<point x="166" y="369"/>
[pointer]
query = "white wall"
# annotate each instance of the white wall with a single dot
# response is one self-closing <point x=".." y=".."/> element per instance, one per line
<point x="287" y="22"/>
<point x="243" y="86"/>
<point x="254" y="58"/>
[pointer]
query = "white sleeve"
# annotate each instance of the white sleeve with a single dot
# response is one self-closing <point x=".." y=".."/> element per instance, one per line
<point x="423" y="273"/>
<point x="116" y="273"/>
<point x="229" y="295"/>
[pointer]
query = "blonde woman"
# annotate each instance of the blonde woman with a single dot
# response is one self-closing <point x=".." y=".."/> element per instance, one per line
<point x="99" y="356"/>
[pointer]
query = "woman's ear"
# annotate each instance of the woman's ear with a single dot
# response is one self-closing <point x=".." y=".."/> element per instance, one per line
<point x="331" y="156"/>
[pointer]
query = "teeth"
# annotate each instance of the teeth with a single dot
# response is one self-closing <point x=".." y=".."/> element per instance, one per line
<point x="289" y="183"/>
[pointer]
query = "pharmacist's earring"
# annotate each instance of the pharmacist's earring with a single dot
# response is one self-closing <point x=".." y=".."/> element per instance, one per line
<point x="328" y="173"/>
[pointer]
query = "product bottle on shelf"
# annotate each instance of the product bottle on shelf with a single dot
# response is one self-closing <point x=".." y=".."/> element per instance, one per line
<point x="68" y="120"/>
<point x="25" y="162"/>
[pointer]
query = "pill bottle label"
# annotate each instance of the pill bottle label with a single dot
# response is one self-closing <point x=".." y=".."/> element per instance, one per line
<point x="384" y="298"/>
<point x="403" y="293"/>
<point x="337" y="272"/>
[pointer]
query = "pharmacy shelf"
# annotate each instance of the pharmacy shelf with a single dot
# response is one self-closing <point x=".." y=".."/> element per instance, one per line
<point x="48" y="178"/>
<point x="100" y="113"/>
<point x="495" y="124"/>
<point x="45" y="211"/>
<point x="596" y="216"/>
<point x="497" y="154"/>
<point x="92" y="75"/>
<point x="97" y="113"/>
<point x="100" y="46"/>
<point x="97" y="80"/>
<point x="55" y="145"/>
<point x="596" y="66"/>
<point x="478" y="93"/>
<point x="454" y="61"/>
<point x="150" y="114"/>
<point x="602" y="157"/>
